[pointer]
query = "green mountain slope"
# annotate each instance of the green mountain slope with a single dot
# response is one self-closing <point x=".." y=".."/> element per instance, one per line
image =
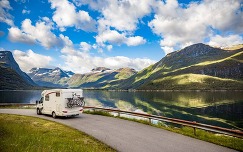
<point x="11" y="76"/>
<point x="99" y="77"/>
<point x="11" y="80"/>
<point x="198" y="66"/>
<point x="7" y="61"/>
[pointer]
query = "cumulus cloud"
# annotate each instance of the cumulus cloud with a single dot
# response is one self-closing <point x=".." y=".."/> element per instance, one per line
<point x="224" y="41"/>
<point x="118" y="21"/>
<point x="109" y="47"/>
<point x="16" y="35"/>
<point x="134" y="41"/>
<point x="83" y="61"/>
<point x="114" y="37"/>
<point x="25" y="59"/>
<point x="110" y="36"/>
<point x="68" y="45"/>
<point x="4" y="15"/>
<point x="65" y="15"/>
<point x="38" y="33"/>
<point x="85" y="46"/>
<point x="125" y="15"/>
<point x="180" y="26"/>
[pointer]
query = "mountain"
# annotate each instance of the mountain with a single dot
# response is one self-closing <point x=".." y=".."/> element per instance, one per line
<point x="69" y="73"/>
<point x="198" y="66"/>
<point x="49" y="77"/>
<point x="99" y="77"/>
<point x="11" y="76"/>
<point x="100" y="69"/>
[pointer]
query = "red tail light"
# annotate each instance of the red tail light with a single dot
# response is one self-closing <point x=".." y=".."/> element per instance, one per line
<point x="64" y="111"/>
<point x="81" y="110"/>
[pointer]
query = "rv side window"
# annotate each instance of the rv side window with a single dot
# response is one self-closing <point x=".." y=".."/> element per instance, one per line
<point x="57" y="94"/>
<point x="47" y="97"/>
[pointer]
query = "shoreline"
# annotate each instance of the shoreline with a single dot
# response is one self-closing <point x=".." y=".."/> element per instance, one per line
<point x="135" y="90"/>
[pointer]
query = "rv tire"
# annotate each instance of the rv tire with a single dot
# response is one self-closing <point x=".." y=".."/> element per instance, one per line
<point x="54" y="115"/>
<point x="38" y="111"/>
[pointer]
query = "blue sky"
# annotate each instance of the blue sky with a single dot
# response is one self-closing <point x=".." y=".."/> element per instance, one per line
<point x="79" y="35"/>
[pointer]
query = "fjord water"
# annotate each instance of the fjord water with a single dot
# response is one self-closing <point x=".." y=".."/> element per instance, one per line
<point x="221" y="108"/>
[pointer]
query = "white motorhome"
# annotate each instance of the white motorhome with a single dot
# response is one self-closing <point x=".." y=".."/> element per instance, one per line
<point x="61" y="102"/>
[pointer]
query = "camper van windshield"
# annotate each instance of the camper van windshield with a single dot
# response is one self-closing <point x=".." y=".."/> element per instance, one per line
<point x="41" y="100"/>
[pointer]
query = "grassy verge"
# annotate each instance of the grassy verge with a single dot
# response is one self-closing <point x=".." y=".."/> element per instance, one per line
<point x="15" y="106"/>
<point x="219" y="139"/>
<point x="24" y="133"/>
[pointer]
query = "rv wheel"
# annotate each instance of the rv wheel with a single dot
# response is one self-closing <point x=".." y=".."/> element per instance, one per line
<point x="54" y="115"/>
<point x="38" y="111"/>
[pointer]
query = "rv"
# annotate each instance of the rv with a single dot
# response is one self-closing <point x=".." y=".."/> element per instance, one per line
<point x="61" y="102"/>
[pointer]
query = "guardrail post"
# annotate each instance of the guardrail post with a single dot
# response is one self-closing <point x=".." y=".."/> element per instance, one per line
<point x="150" y="121"/>
<point x="194" y="131"/>
<point x="194" y="128"/>
<point x="118" y="114"/>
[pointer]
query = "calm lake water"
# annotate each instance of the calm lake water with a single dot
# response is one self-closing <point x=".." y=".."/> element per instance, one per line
<point x="216" y="108"/>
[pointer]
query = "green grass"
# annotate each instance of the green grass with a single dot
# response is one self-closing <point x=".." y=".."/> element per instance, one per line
<point x="23" y="133"/>
<point x="17" y="106"/>
<point x="193" y="82"/>
<point x="219" y="139"/>
<point x="98" y="112"/>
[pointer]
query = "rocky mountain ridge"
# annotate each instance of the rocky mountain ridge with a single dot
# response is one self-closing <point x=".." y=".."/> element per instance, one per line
<point x="99" y="77"/>
<point x="198" y="61"/>
<point x="49" y="77"/>
<point x="12" y="77"/>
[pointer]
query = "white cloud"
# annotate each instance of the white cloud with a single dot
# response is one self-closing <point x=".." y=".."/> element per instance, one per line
<point x="16" y="35"/>
<point x="83" y="61"/>
<point x="134" y="41"/>
<point x="68" y="45"/>
<point x="24" y="11"/>
<point x="124" y="15"/>
<point x="118" y="21"/>
<point x="109" y="47"/>
<point x="30" y="59"/>
<point x="114" y="37"/>
<point x="167" y="49"/>
<point x="40" y="33"/>
<point x="85" y="46"/>
<point x="224" y="41"/>
<point x="180" y="26"/>
<point x="65" y="15"/>
<point x="110" y="36"/>
<point x="4" y="15"/>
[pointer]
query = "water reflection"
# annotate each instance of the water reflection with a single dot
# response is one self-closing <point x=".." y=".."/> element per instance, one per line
<point x="26" y="96"/>
<point x="217" y="108"/>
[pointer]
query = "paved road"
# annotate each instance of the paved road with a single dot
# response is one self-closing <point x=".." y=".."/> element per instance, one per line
<point x="129" y="136"/>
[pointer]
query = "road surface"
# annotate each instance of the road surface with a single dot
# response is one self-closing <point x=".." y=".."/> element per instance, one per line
<point x="128" y="136"/>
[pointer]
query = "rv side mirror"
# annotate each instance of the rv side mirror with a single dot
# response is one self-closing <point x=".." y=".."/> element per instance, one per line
<point x="36" y="101"/>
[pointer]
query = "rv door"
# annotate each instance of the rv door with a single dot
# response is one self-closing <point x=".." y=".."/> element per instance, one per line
<point x="47" y="104"/>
